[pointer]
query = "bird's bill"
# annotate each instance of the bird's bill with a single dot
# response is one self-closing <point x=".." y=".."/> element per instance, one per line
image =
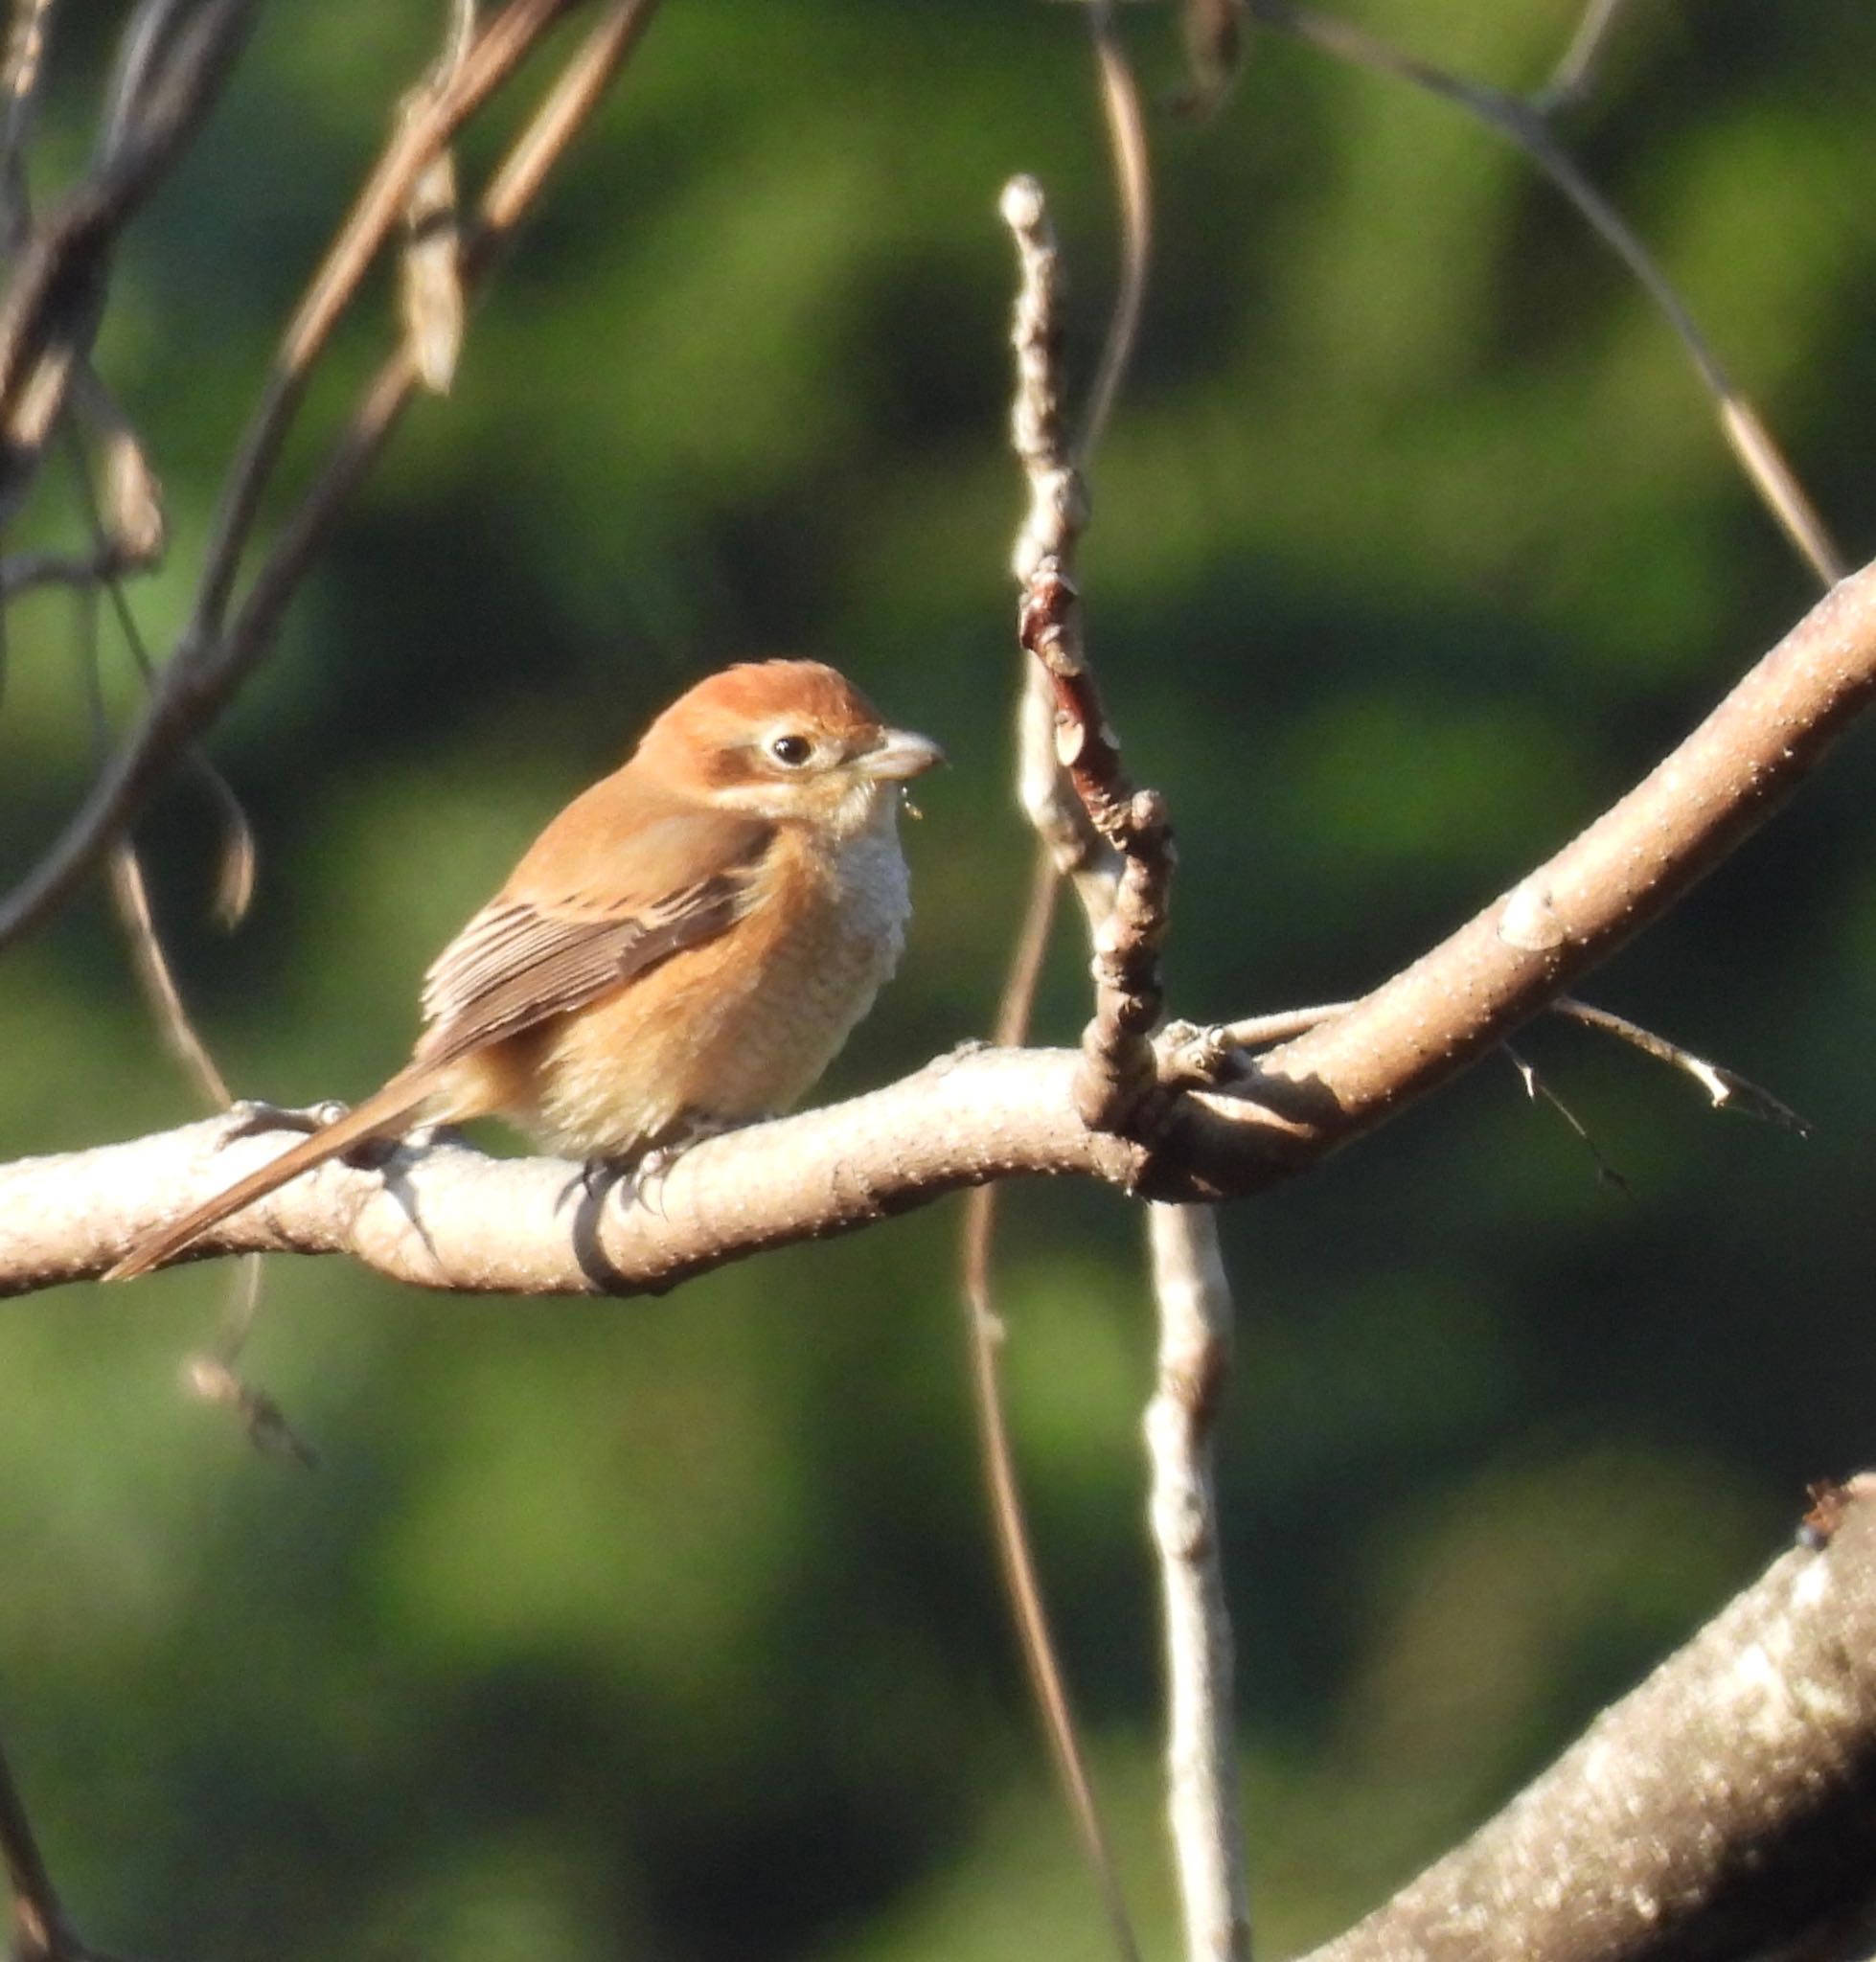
<point x="899" y="753"/>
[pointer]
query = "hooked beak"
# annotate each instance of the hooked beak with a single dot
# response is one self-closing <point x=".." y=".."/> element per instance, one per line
<point x="899" y="754"/>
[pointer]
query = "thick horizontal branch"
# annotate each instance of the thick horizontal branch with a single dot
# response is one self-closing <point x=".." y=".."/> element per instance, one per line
<point x="1538" y="940"/>
<point x="443" y="1215"/>
<point x="1725" y="1802"/>
<point x="967" y="1119"/>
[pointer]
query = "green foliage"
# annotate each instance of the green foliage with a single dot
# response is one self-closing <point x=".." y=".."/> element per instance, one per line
<point x="672" y="1629"/>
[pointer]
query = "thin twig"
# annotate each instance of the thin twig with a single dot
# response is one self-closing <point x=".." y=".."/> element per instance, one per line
<point x="1127" y="143"/>
<point x="27" y="31"/>
<point x="1575" y="75"/>
<point x="26" y="571"/>
<point x="1058" y="815"/>
<point x="51" y="311"/>
<point x="1725" y="1087"/>
<point x="203" y="676"/>
<point x="378" y="211"/>
<point x="150" y="962"/>
<point x="1523" y="123"/>
<point x="1116" y="846"/>
<point x="1539" y="1091"/>
<point x="1196" y="1322"/>
<point x="126" y="533"/>
<point x="1190" y="1053"/>
<point x="1008" y="1518"/>
<point x="1116" y="1045"/>
<point x="131" y="895"/>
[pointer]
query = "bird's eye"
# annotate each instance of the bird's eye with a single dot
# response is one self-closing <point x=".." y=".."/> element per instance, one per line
<point x="791" y="751"/>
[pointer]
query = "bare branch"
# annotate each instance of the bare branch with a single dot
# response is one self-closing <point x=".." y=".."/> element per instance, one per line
<point x="1132" y="825"/>
<point x="1572" y="912"/>
<point x="51" y="307"/>
<point x="205" y="674"/>
<point x="1059" y="817"/>
<point x="1722" y="1805"/>
<point x="445" y="1217"/>
<point x="971" y="1118"/>
<point x="1195" y="1319"/>
<point x="1116" y="844"/>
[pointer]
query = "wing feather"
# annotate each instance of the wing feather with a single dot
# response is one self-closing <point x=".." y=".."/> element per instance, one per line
<point x="523" y="959"/>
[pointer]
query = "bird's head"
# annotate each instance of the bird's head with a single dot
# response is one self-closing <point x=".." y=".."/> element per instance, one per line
<point x="787" y="742"/>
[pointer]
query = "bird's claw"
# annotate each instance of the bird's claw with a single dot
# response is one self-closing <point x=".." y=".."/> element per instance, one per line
<point x="644" y="1176"/>
<point x="249" y="1116"/>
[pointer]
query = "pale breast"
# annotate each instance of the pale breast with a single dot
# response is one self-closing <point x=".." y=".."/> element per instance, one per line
<point x="739" y="1027"/>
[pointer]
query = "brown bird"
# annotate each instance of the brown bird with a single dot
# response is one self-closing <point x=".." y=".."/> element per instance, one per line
<point x="684" y="949"/>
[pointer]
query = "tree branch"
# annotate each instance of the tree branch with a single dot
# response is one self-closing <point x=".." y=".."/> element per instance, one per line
<point x="1727" y="1801"/>
<point x="212" y="661"/>
<point x="970" y="1118"/>
<point x="1539" y="938"/>
<point x="443" y="1216"/>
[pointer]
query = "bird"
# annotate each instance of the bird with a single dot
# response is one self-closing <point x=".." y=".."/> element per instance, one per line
<point x="682" y="950"/>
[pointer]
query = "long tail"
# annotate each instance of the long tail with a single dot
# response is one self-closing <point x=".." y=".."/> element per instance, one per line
<point x="384" y="1111"/>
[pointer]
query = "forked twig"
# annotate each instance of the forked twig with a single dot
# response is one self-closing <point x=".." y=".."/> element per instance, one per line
<point x="205" y="673"/>
<point x="1190" y="1053"/>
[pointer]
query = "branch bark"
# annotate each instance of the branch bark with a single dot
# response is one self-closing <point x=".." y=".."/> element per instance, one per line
<point x="443" y="1215"/>
<point x="1726" y="1802"/>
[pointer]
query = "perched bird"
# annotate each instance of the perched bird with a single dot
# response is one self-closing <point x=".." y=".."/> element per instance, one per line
<point x="684" y="949"/>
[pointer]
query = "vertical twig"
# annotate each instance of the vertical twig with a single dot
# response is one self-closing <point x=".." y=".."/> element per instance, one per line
<point x="1114" y="843"/>
<point x="1064" y="841"/>
<point x="1195" y="1359"/>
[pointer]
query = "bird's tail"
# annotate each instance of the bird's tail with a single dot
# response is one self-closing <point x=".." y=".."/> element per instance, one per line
<point x="384" y="1111"/>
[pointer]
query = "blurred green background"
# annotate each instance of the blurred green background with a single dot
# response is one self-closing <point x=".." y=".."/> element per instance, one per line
<point x="669" y="1628"/>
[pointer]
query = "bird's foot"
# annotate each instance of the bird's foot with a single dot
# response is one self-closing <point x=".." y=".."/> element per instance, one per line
<point x="644" y="1176"/>
<point x="249" y="1116"/>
